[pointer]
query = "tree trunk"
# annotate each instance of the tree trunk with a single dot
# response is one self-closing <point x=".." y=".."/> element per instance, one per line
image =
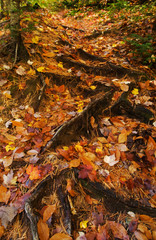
<point x="20" y="50"/>
<point x="2" y="9"/>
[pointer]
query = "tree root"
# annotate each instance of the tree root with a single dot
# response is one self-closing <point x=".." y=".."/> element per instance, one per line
<point x="79" y="125"/>
<point x="111" y="200"/>
<point x="107" y="69"/>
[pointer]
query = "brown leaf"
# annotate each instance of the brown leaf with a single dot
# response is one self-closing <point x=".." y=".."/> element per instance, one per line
<point x="74" y="163"/>
<point x="118" y="230"/>
<point x="151" y="144"/>
<point x="1" y="231"/>
<point x="4" y="194"/>
<point x="122" y="137"/>
<point x="43" y="230"/>
<point x="59" y="236"/>
<point x="48" y="212"/>
<point x="140" y="236"/>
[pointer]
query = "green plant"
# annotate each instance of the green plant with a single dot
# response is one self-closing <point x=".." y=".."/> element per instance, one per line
<point x="141" y="47"/>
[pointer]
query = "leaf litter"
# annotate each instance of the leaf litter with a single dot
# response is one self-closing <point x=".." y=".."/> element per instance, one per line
<point x="119" y="151"/>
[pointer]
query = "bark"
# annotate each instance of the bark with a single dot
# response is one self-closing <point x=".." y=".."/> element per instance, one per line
<point x="2" y="9"/>
<point x="19" y="49"/>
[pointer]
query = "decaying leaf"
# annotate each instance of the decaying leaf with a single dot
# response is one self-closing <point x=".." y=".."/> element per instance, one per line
<point x="111" y="160"/>
<point x="43" y="230"/>
<point x="7" y="214"/>
<point x="61" y="236"/>
<point x="118" y="230"/>
<point x="50" y="209"/>
<point x="4" y="194"/>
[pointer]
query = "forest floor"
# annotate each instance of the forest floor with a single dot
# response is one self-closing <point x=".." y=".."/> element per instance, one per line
<point x="78" y="127"/>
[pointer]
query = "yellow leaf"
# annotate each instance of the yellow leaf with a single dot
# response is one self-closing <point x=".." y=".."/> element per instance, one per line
<point x="7" y="94"/>
<point x="65" y="148"/>
<point x="41" y="69"/>
<point x="123" y="137"/>
<point x="83" y="224"/>
<point x="93" y="87"/>
<point x="35" y="39"/>
<point x="135" y="91"/>
<point x="60" y="64"/>
<point x="31" y="72"/>
<point x="8" y="148"/>
<point x="79" y="148"/>
<point x="40" y="29"/>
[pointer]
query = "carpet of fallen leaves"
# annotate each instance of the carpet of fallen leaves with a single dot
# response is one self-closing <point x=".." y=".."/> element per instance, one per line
<point x="122" y="158"/>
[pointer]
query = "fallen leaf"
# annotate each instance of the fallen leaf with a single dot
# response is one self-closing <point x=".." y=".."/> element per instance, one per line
<point x="60" y="236"/>
<point x="74" y="163"/>
<point x="79" y="148"/>
<point x="2" y="82"/>
<point x="8" y="178"/>
<point x="83" y="224"/>
<point x="7" y="94"/>
<point x="135" y="91"/>
<point x="118" y="230"/>
<point x="20" y="71"/>
<point x="1" y="231"/>
<point x="7" y="161"/>
<point x="4" y="194"/>
<point x="31" y="72"/>
<point x="140" y="236"/>
<point x="35" y="39"/>
<point x="47" y="80"/>
<point x="43" y="230"/>
<point x="32" y="152"/>
<point x="123" y="136"/>
<point x="60" y="65"/>
<point x="7" y="214"/>
<point x="49" y="54"/>
<point x="93" y="87"/>
<point x="41" y="69"/>
<point x="111" y="160"/>
<point x="69" y="187"/>
<point x="50" y="209"/>
<point x="33" y="172"/>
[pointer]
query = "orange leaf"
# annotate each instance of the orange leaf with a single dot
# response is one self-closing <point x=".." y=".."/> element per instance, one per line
<point x="88" y="199"/>
<point x="43" y="230"/>
<point x="117" y="122"/>
<point x="49" y="54"/>
<point x="88" y="158"/>
<point x="69" y="188"/>
<point x="74" y="163"/>
<point x="33" y="172"/>
<point x="48" y="212"/>
<point x="151" y="144"/>
<point x="60" y="236"/>
<point x="47" y="81"/>
<point x="122" y="137"/>
<point x="61" y="89"/>
<point x="1" y="231"/>
<point x="146" y="218"/>
<point x="4" y="194"/>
